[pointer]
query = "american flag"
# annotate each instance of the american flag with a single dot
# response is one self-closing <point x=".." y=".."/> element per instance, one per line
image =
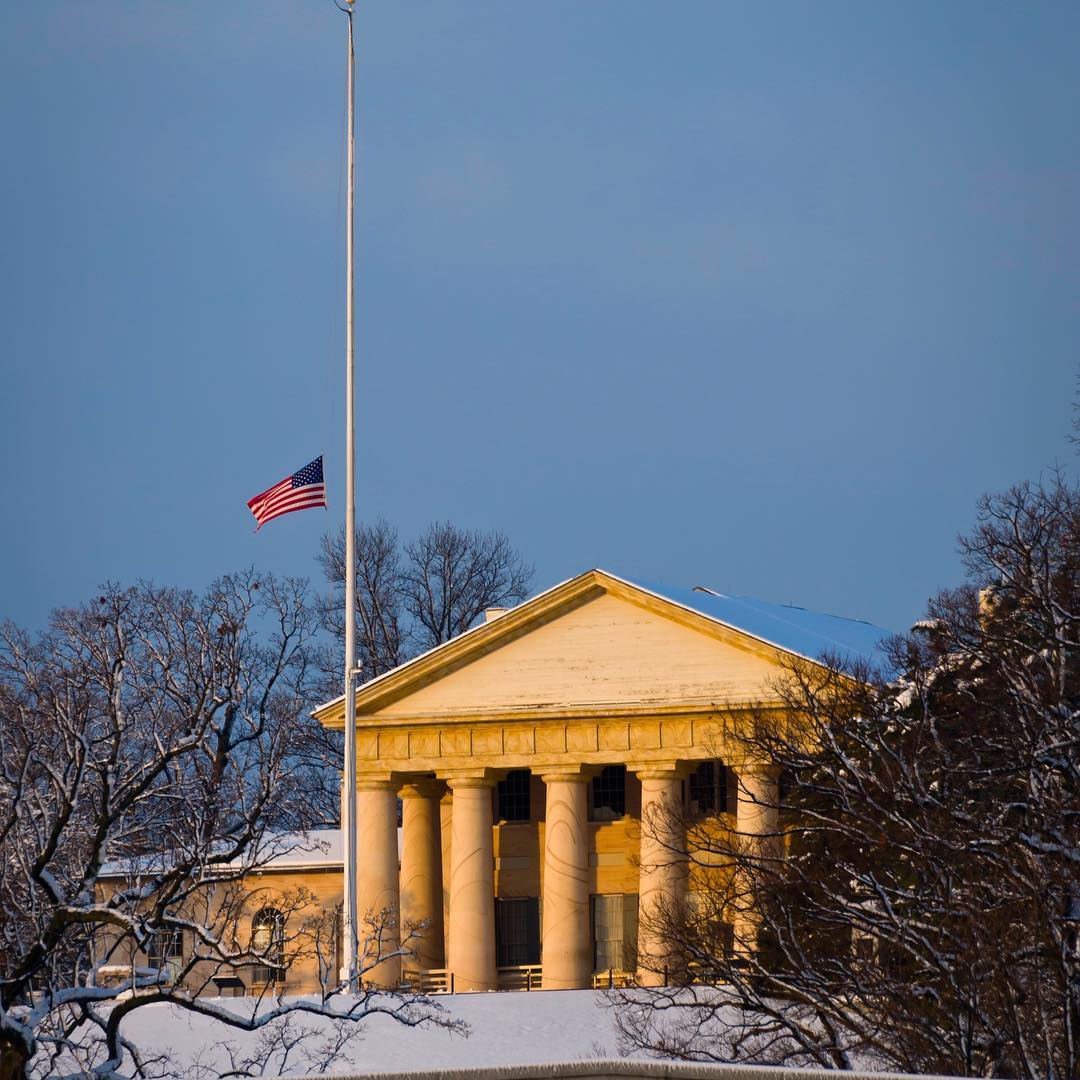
<point x="301" y="491"/>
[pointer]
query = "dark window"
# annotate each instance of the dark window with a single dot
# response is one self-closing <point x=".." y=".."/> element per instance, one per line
<point x="514" y="796"/>
<point x="268" y="939"/>
<point x="786" y="784"/>
<point x="614" y="932"/>
<point x="517" y="931"/>
<point x="864" y="948"/>
<point x="609" y="794"/>
<point x="165" y="952"/>
<point x="727" y="938"/>
<point x="708" y="789"/>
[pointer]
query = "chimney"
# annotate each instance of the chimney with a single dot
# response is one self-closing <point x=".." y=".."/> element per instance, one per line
<point x="493" y="613"/>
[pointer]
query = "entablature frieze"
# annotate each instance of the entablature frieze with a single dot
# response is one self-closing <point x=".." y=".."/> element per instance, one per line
<point x="464" y="746"/>
<point x="715" y="706"/>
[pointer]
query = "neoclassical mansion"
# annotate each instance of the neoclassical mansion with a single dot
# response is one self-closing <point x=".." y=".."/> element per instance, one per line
<point x="522" y="757"/>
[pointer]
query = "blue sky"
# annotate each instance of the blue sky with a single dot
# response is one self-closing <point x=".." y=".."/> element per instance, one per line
<point x="761" y="296"/>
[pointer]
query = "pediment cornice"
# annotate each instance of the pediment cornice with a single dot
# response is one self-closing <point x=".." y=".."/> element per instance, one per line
<point x="547" y="606"/>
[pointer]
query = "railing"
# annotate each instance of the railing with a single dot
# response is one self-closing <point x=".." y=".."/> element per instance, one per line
<point x="115" y="974"/>
<point x="612" y="978"/>
<point x="520" y="977"/>
<point x="429" y="981"/>
<point x="441" y="981"/>
<point x="697" y="973"/>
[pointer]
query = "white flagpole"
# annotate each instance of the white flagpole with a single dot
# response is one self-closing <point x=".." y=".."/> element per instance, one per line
<point x="348" y="809"/>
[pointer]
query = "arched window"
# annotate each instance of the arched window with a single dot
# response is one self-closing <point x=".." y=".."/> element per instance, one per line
<point x="268" y="940"/>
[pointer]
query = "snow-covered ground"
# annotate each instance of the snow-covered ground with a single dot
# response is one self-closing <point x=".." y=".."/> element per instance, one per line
<point x="505" y="1029"/>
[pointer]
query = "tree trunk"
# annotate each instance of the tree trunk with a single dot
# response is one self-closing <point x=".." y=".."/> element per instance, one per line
<point x="13" y="1060"/>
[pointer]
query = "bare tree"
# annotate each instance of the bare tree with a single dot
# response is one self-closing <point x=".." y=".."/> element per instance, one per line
<point x="382" y="631"/>
<point x="919" y="907"/>
<point x="453" y="575"/>
<point x="413" y="598"/>
<point x="153" y="730"/>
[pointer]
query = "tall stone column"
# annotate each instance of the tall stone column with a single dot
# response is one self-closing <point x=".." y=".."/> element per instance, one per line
<point x="758" y="824"/>
<point x="663" y="867"/>
<point x="567" y="957"/>
<point x="471" y="951"/>
<point x="421" y="873"/>
<point x="377" y="899"/>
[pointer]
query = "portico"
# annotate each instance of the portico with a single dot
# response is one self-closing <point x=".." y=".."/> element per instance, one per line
<point x="545" y="762"/>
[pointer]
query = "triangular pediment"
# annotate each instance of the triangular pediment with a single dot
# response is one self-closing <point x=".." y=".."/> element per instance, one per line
<point x="595" y="642"/>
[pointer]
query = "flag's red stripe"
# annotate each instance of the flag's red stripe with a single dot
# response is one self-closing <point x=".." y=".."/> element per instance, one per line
<point x="273" y="500"/>
<point x="286" y="483"/>
<point x="290" y="491"/>
<point x="304" y="497"/>
<point x="305" y="505"/>
<point x="300" y="495"/>
<point x="296" y="502"/>
<point x="288" y="509"/>
<point x="288" y="496"/>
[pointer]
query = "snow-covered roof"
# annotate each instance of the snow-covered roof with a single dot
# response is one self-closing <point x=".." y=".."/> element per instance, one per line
<point x="316" y="849"/>
<point x="809" y="634"/>
<point x="313" y="850"/>
<point x="306" y="850"/>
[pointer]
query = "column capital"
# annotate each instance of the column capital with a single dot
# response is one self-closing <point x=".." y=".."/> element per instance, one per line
<point x="660" y="770"/>
<point x="422" y="787"/>
<point x="377" y="782"/>
<point x="471" y="778"/>
<point x="765" y="769"/>
<point x="569" y="774"/>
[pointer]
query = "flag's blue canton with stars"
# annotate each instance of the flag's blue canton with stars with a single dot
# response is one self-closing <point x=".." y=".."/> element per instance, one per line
<point x="309" y="474"/>
<point x="301" y="491"/>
